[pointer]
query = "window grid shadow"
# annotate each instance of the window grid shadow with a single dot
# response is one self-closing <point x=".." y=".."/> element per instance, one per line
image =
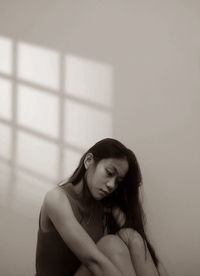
<point x="16" y="126"/>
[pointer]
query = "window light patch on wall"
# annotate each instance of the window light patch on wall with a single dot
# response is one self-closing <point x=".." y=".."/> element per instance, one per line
<point x="5" y="98"/>
<point x="38" y="65"/>
<point x="89" y="80"/>
<point x="38" y="110"/>
<point x="85" y="125"/>
<point x="37" y="155"/>
<point x="6" y="55"/>
<point x="5" y="141"/>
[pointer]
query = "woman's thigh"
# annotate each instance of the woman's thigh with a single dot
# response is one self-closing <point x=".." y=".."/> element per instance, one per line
<point x="117" y="251"/>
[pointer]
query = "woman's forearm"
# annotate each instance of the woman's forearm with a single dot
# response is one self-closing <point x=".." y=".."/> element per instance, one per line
<point x="103" y="267"/>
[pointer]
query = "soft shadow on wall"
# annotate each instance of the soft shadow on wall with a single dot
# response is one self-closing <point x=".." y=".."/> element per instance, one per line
<point x="53" y="106"/>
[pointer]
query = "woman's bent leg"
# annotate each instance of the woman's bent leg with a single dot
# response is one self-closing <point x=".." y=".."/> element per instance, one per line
<point x="116" y="250"/>
<point x="140" y="256"/>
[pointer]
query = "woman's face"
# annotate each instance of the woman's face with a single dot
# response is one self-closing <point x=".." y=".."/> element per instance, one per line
<point x="105" y="176"/>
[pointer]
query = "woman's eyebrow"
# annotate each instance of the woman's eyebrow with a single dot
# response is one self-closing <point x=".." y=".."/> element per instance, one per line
<point x="116" y="171"/>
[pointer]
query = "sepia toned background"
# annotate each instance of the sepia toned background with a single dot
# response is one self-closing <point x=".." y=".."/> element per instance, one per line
<point x="73" y="72"/>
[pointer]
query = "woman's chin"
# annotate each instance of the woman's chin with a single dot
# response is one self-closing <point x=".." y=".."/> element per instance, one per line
<point x="99" y="195"/>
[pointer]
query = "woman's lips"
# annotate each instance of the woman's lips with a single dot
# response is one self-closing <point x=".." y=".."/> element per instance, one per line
<point x="105" y="193"/>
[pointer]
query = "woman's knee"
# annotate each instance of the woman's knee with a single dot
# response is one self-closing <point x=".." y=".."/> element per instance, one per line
<point x="132" y="238"/>
<point x="112" y="245"/>
<point x="117" y="251"/>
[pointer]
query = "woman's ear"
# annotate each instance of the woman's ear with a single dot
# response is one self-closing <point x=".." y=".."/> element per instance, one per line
<point x="89" y="159"/>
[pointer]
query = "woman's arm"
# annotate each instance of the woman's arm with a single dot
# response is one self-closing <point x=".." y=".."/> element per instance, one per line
<point x="58" y="209"/>
<point x="119" y="216"/>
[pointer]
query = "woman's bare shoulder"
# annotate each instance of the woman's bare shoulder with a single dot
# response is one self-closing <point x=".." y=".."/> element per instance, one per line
<point x="54" y="194"/>
<point x="51" y="202"/>
<point x="55" y="200"/>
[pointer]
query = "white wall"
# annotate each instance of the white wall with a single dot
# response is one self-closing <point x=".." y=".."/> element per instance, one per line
<point x="152" y="50"/>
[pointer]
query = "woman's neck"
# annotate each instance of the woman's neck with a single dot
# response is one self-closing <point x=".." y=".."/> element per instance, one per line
<point x="83" y="193"/>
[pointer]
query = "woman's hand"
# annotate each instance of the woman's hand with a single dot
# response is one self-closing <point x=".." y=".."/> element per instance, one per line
<point x="126" y="234"/>
<point x="119" y="216"/>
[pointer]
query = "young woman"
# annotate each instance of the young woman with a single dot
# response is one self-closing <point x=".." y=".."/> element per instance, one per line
<point x="93" y="223"/>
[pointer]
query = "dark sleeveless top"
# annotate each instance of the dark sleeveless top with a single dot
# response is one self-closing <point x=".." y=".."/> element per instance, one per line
<point x="53" y="257"/>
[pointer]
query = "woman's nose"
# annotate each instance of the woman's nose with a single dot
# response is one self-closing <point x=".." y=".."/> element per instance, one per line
<point x="111" y="184"/>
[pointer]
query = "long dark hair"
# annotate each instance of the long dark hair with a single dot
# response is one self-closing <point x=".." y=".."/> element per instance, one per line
<point x="126" y="196"/>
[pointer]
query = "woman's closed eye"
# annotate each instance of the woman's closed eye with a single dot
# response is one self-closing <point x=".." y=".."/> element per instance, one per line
<point x="109" y="173"/>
